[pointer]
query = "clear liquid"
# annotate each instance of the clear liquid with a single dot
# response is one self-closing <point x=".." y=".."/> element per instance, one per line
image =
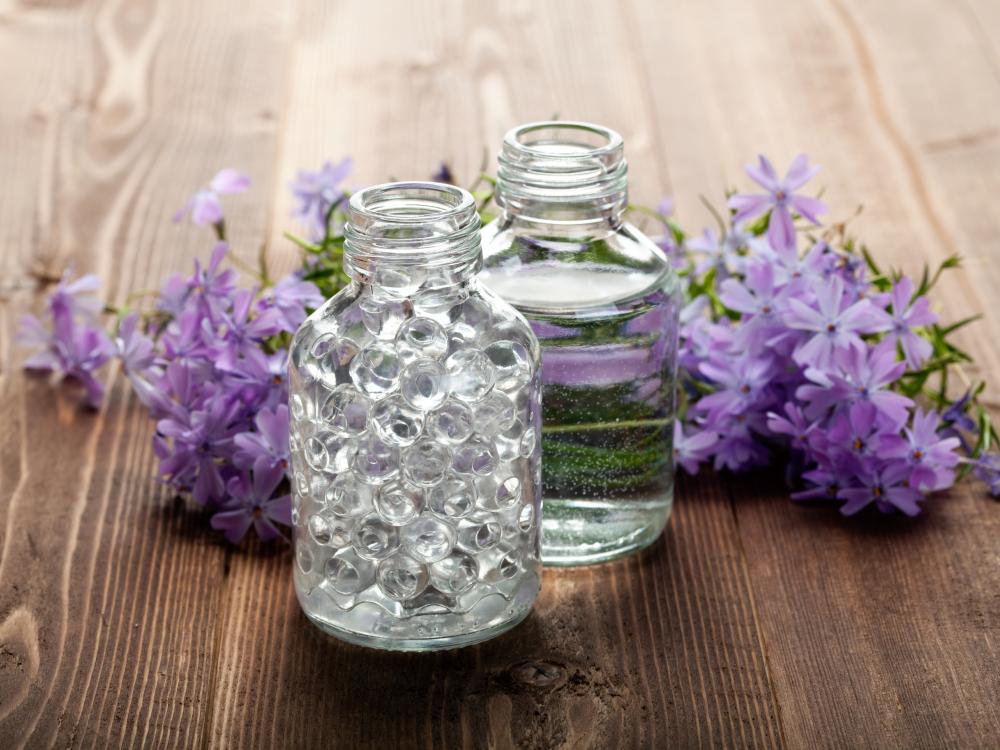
<point x="608" y="339"/>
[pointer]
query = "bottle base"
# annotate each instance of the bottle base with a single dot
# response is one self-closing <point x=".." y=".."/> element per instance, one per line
<point x="440" y="643"/>
<point x="589" y="531"/>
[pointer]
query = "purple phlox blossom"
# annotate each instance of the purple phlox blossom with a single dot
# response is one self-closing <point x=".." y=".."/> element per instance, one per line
<point x="794" y="424"/>
<point x="316" y="192"/>
<point x="738" y="447"/>
<point x="76" y="298"/>
<point x="759" y="299"/>
<point x="251" y="503"/>
<point x="692" y="449"/>
<point x="906" y="314"/>
<point x="886" y="485"/>
<point x="781" y="198"/>
<point x="860" y="375"/>
<point x="823" y="484"/>
<point x="720" y="253"/>
<point x="205" y="206"/>
<point x="269" y="442"/>
<point x="206" y="292"/>
<point x="244" y="333"/>
<point x="199" y="440"/>
<point x="861" y="435"/>
<point x="835" y="322"/>
<point x="740" y="381"/>
<point x="931" y="457"/>
<point x="444" y="174"/>
<point x="957" y="421"/>
<point x="293" y="297"/>
<point x="72" y="348"/>
<point x="987" y="470"/>
<point x="135" y="349"/>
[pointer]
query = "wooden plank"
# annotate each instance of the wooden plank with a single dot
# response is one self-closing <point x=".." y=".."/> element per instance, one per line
<point x="109" y="592"/>
<point x="657" y="650"/>
<point x="879" y="632"/>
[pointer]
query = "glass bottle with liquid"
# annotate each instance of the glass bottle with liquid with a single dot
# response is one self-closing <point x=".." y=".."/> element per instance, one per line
<point x="604" y="301"/>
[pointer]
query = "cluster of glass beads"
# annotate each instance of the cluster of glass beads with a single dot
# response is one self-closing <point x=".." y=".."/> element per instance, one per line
<point x="414" y="454"/>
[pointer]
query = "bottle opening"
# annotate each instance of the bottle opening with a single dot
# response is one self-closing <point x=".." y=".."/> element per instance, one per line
<point x="562" y="163"/>
<point x="411" y="224"/>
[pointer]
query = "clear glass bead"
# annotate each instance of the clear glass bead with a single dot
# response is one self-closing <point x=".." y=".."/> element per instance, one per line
<point x="403" y="388"/>
<point x="603" y="300"/>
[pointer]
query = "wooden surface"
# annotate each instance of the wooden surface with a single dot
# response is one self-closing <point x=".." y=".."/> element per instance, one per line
<point x="123" y="622"/>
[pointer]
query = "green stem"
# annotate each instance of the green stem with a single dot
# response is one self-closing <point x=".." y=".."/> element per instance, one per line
<point x="622" y="425"/>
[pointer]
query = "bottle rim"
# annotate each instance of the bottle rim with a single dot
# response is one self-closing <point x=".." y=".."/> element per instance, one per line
<point x="411" y="224"/>
<point x="555" y="161"/>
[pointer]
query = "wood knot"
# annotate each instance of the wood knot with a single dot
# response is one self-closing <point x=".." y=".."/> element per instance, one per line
<point x="541" y="674"/>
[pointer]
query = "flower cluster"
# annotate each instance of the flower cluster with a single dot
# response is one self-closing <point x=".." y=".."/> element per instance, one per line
<point x="208" y="362"/>
<point x="793" y="344"/>
<point x="816" y="354"/>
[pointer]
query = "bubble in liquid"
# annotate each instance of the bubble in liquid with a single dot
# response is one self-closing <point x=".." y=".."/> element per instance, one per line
<point x="345" y="410"/>
<point x="328" y="451"/>
<point x="319" y="529"/>
<point x="452" y="423"/>
<point x="475" y="456"/>
<point x="346" y="496"/>
<point x="398" y="503"/>
<point x="376" y="461"/>
<point x="347" y="573"/>
<point x="337" y="356"/>
<point x="304" y="557"/>
<point x="505" y="563"/>
<point x="428" y="539"/>
<point x="472" y="320"/>
<point x="480" y="536"/>
<point x="528" y="442"/>
<point x="421" y="338"/>
<point x="508" y="442"/>
<point x="511" y="362"/>
<point x="396" y="422"/>
<point x="526" y="518"/>
<point x="455" y="574"/>
<point x="440" y="304"/>
<point x="426" y="462"/>
<point x="498" y="492"/>
<point x="375" y="370"/>
<point x="401" y="577"/>
<point x="424" y="384"/>
<point x="383" y="317"/>
<point x="315" y="452"/>
<point x="453" y="498"/>
<point x="470" y="374"/>
<point x="396" y="282"/>
<point x="374" y="539"/>
<point x="297" y="407"/>
<point x="494" y="414"/>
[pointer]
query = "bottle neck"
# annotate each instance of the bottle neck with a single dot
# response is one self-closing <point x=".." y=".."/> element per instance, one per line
<point x="563" y="174"/>
<point x="406" y="235"/>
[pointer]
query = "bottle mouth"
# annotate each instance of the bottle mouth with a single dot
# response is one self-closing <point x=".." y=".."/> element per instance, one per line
<point x="566" y="162"/>
<point x="411" y="224"/>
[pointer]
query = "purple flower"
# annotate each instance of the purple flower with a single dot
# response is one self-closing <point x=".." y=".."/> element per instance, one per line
<point x="293" y="297"/>
<point x="987" y="470"/>
<point x="862" y="375"/>
<point x="931" y="458"/>
<point x="860" y="435"/>
<point x="887" y="486"/>
<point x="316" y="192"/>
<point x="794" y="425"/>
<point x="269" y="442"/>
<point x="244" y="334"/>
<point x="251" y="504"/>
<point x="69" y="345"/>
<point x="135" y="349"/>
<point x="200" y="439"/>
<point x="909" y="313"/>
<point x="741" y="382"/>
<point x="444" y="174"/>
<point x="205" y="207"/>
<point x="691" y="450"/>
<point x="722" y="254"/>
<point x="780" y="198"/>
<point x="835" y="322"/>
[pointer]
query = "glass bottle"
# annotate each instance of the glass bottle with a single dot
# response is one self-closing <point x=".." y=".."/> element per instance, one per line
<point x="603" y="300"/>
<point x="414" y="397"/>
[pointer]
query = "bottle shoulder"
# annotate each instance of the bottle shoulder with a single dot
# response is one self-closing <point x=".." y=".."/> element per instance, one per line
<point x="538" y="270"/>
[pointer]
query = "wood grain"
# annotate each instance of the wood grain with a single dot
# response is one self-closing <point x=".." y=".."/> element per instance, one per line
<point x="753" y="622"/>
